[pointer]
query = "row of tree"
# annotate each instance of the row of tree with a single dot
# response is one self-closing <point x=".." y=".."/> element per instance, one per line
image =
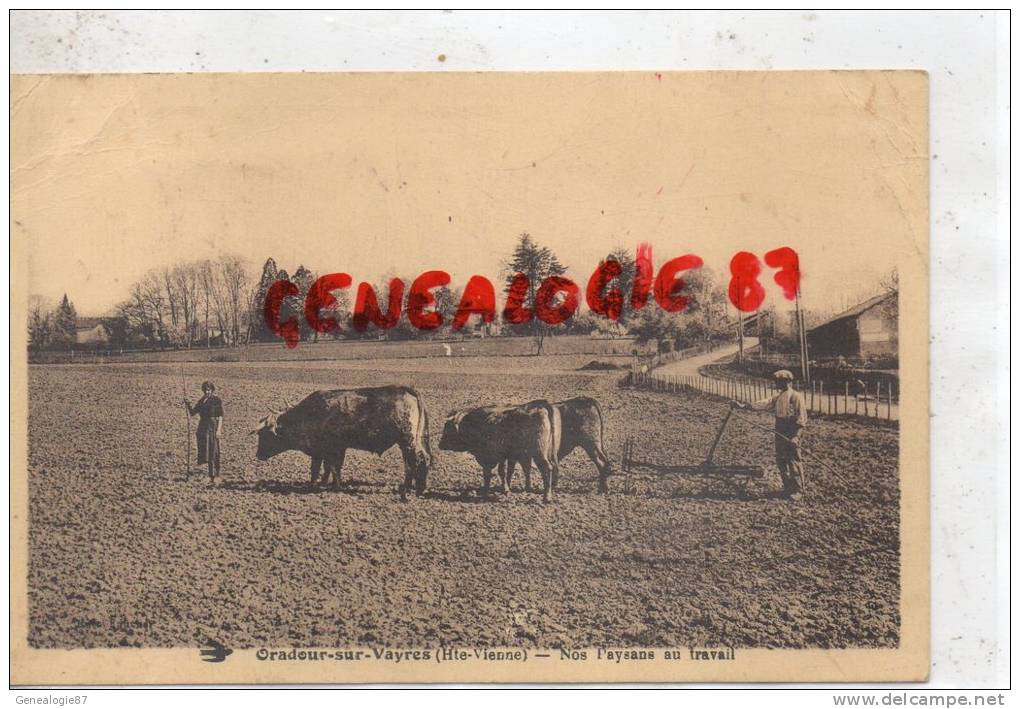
<point x="197" y="303"/>
<point x="218" y="302"/>
<point x="51" y="327"/>
<point x="194" y="303"/>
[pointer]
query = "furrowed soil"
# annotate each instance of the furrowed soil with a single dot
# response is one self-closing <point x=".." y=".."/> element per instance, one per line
<point x="126" y="550"/>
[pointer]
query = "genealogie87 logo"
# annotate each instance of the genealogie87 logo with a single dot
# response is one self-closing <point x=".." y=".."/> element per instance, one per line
<point x="552" y="301"/>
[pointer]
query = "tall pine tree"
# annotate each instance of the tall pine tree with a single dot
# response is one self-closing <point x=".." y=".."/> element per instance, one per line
<point x="303" y="279"/>
<point x="537" y="263"/>
<point x="65" y="324"/>
<point x="257" y="328"/>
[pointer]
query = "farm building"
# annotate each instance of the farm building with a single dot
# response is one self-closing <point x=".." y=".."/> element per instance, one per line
<point x="91" y="331"/>
<point x="868" y="329"/>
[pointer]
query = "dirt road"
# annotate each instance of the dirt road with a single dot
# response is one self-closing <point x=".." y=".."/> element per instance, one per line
<point x="690" y="366"/>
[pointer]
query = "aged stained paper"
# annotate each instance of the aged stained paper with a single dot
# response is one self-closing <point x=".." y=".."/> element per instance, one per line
<point x="152" y="216"/>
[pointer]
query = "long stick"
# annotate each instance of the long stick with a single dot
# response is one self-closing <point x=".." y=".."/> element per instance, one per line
<point x="809" y="453"/>
<point x="187" y="417"/>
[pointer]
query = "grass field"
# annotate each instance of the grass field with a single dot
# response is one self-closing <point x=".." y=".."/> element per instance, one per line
<point x="125" y="551"/>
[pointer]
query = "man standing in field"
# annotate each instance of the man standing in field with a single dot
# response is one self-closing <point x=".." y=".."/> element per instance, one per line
<point x="210" y="425"/>
<point x="791" y="417"/>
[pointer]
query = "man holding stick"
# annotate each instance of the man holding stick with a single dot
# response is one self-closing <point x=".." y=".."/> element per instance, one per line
<point x="791" y="417"/>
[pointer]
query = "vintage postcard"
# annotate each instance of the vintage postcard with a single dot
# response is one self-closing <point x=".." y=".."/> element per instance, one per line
<point x="494" y="377"/>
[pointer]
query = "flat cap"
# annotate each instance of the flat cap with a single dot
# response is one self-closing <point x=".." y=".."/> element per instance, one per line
<point x="783" y="374"/>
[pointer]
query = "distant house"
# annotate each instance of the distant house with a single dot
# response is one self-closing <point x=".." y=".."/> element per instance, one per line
<point x="868" y="329"/>
<point x="214" y="337"/>
<point x="606" y="328"/>
<point x="753" y="323"/>
<point x="91" y="331"/>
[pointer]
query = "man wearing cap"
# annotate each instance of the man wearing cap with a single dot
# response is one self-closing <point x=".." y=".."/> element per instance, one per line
<point x="791" y="417"/>
<point x="210" y="425"/>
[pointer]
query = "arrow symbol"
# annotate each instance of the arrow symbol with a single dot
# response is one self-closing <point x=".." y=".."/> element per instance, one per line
<point x="215" y="653"/>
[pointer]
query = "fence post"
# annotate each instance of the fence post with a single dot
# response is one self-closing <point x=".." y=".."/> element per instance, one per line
<point x="888" y="412"/>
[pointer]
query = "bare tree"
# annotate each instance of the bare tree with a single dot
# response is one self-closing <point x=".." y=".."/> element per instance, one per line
<point x="186" y="282"/>
<point x="234" y="281"/>
<point x="149" y="307"/>
<point x="173" y="304"/>
<point x="890" y="282"/>
<point x="40" y="321"/>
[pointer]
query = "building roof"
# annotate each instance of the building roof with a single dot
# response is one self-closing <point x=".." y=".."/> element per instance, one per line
<point x="858" y="309"/>
<point x="749" y="319"/>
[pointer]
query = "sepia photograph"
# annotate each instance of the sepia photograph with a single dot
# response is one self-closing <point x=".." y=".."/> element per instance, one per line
<point x="435" y="377"/>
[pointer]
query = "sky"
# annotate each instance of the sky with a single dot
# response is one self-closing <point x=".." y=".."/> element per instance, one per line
<point x="378" y="173"/>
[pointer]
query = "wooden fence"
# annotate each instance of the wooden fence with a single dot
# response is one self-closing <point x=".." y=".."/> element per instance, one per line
<point x="875" y="404"/>
<point x="646" y="363"/>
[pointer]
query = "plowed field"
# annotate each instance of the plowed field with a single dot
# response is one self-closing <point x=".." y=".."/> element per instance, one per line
<point x="125" y="550"/>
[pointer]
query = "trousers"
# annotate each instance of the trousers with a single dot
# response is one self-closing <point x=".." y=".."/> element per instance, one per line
<point x="788" y="459"/>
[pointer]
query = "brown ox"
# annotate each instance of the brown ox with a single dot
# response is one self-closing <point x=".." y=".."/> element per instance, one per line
<point x="326" y="423"/>
<point x="494" y="434"/>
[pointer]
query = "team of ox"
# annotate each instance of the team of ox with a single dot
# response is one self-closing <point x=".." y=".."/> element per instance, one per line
<point x="326" y="423"/>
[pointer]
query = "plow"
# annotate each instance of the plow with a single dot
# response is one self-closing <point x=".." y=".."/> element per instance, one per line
<point x="737" y="476"/>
